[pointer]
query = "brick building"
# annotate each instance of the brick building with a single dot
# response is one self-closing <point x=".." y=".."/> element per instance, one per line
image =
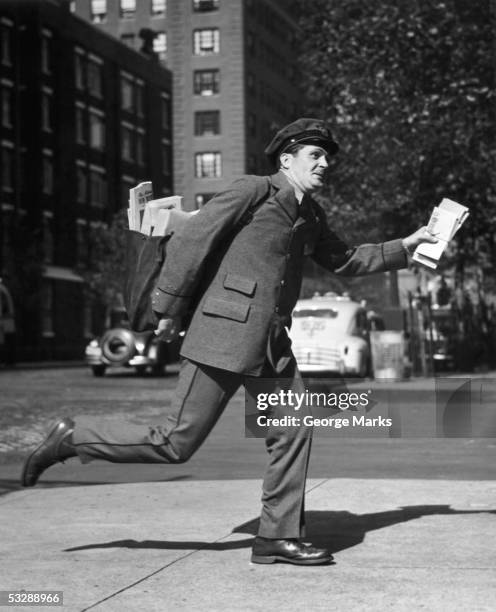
<point x="234" y="78"/>
<point x="83" y="118"/>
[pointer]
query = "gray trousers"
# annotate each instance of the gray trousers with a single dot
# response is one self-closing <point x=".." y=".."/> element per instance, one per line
<point x="201" y="395"/>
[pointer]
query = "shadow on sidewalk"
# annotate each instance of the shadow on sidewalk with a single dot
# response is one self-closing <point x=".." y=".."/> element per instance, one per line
<point x="335" y="531"/>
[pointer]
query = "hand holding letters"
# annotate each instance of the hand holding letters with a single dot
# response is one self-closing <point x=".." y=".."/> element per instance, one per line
<point x="446" y="219"/>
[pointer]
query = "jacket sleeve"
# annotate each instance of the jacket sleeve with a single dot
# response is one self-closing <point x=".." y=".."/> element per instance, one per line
<point x="188" y="250"/>
<point x="336" y="256"/>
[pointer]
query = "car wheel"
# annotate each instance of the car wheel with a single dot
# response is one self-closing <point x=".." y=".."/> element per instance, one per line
<point x="98" y="370"/>
<point x="140" y="370"/>
<point x="118" y="346"/>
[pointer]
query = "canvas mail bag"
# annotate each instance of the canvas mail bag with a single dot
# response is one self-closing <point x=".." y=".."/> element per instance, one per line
<point x="145" y="256"/>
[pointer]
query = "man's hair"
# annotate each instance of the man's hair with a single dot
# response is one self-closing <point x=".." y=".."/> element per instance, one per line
<point x="292" y="149"/>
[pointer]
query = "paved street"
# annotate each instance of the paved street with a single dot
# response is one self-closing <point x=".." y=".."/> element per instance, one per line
<point x="31" y="399"/>
<point x="411" y="522"/>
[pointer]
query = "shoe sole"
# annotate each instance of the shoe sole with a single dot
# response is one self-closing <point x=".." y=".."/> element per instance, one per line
<point x="28" y="460"/>
<point x="266" y="559"/>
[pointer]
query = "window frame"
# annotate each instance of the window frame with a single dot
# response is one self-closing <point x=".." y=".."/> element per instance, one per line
<point x="207" y="123"/>
<point x="96" y="118"/>
<point x="158" y="12"/>
<point x="201" y="44"/>
<point x="205" y="6"/>
<point x="127" y="9"/>
<point x="100" y="16"/>
<point x="203" y="165"/>
<point x="201" y="82"/>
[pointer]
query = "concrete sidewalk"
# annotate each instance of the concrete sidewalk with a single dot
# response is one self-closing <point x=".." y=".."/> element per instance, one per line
<point x="398" y="544"/>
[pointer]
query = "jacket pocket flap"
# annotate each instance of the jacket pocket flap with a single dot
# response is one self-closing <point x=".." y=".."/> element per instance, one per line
<point x="226" y="309"/>
<point x="240" y="283"/>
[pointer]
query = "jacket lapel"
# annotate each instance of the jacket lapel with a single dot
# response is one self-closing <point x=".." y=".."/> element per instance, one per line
<point x="285" y="196"/>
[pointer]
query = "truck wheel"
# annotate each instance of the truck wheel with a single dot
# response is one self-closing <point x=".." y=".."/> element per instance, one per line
<point x="98" y="370"/>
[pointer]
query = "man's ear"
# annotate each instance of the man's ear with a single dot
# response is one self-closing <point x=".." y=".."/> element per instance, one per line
<point x="285" y="160"/>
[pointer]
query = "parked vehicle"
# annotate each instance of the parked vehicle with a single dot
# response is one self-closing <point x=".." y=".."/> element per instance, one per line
<point x="120" y="346"/>
<point x="331" y="335"/>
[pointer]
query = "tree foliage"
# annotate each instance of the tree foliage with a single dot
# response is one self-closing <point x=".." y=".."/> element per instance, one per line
<point x="410" y="89"/>
<point x="104" y="273"/>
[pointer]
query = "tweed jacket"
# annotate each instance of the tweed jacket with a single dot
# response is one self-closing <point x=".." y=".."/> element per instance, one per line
<point x="245" y="278"/>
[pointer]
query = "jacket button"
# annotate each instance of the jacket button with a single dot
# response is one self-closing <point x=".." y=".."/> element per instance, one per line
<point x="276" y="309"/>
<point x="283" y="282"/>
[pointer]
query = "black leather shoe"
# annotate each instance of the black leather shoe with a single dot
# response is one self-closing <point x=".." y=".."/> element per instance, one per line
<point x="288" y="551"/>
<point x="56" y="447"/>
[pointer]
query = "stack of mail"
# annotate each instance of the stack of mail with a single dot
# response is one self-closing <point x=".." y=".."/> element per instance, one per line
<point x="155" y="217"/>
<point x="446" y="219"/>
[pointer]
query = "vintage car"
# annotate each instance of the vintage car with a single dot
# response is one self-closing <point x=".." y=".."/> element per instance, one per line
<point x="331" y="335"/>
<point x="120" y="346"/>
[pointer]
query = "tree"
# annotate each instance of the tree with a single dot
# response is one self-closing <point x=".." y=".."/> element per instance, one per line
<point x="410" y="89"/>
<point x="105" y="272"/>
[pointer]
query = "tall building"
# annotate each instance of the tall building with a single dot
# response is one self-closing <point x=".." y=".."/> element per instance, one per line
<point x="83" y="118"/>
<point x="234" y="78"/>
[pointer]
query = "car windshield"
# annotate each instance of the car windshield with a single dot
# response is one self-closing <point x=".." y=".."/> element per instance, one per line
<point x="321" y="313"/>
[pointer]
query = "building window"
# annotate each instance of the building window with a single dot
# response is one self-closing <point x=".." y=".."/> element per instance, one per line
<point x="98" y="187"/>
<point x="47" y="309"/>
<point x="140" y="99"/>
<point x="158" y="8"/>
<point x="206" y="41"/>
<point x="7" y="168"/>
<point x="81" y="184"/>
<point x="128" y="40"/>
<point x="79" y="67"/>
<point x="166" y="161"/>
<point x="82" y="241"/>
<point x="6" y="107"/>
<point x="127" y="183"/>
<point x="98" y="11"/>
<point x="127" y="94"/>
<point x="80" y="125"/>
<point x="127" y="9"/>
<point x="6" y="45"/>
<point x="97" y="130"/>
<point x="206" y="82"/>
<point x="46" y="111"/>
<point x="127" y="142"/>
<point x="46" y="54"/>
<point x="95" y="86"/>
<point x="140" y="148"/>
<point x="165" y="112"/>
<point x="47" y="173"/>
<point x="207" y="123"/>
<point x="208" y="165"/>
<point x="160" y="45"/>
<point x="200" y="6"/>
<point x="48" y="243"/>
<point x="202" y="198"/>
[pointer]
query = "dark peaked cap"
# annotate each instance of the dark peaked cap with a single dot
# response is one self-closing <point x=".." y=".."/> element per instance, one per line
<point x="302" y="131"/>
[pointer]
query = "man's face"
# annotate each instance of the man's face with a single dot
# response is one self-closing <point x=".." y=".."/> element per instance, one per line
<point x="306" y="167"/>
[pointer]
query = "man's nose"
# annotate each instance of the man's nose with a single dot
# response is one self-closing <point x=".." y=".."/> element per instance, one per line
<point x="323" y="161"/>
